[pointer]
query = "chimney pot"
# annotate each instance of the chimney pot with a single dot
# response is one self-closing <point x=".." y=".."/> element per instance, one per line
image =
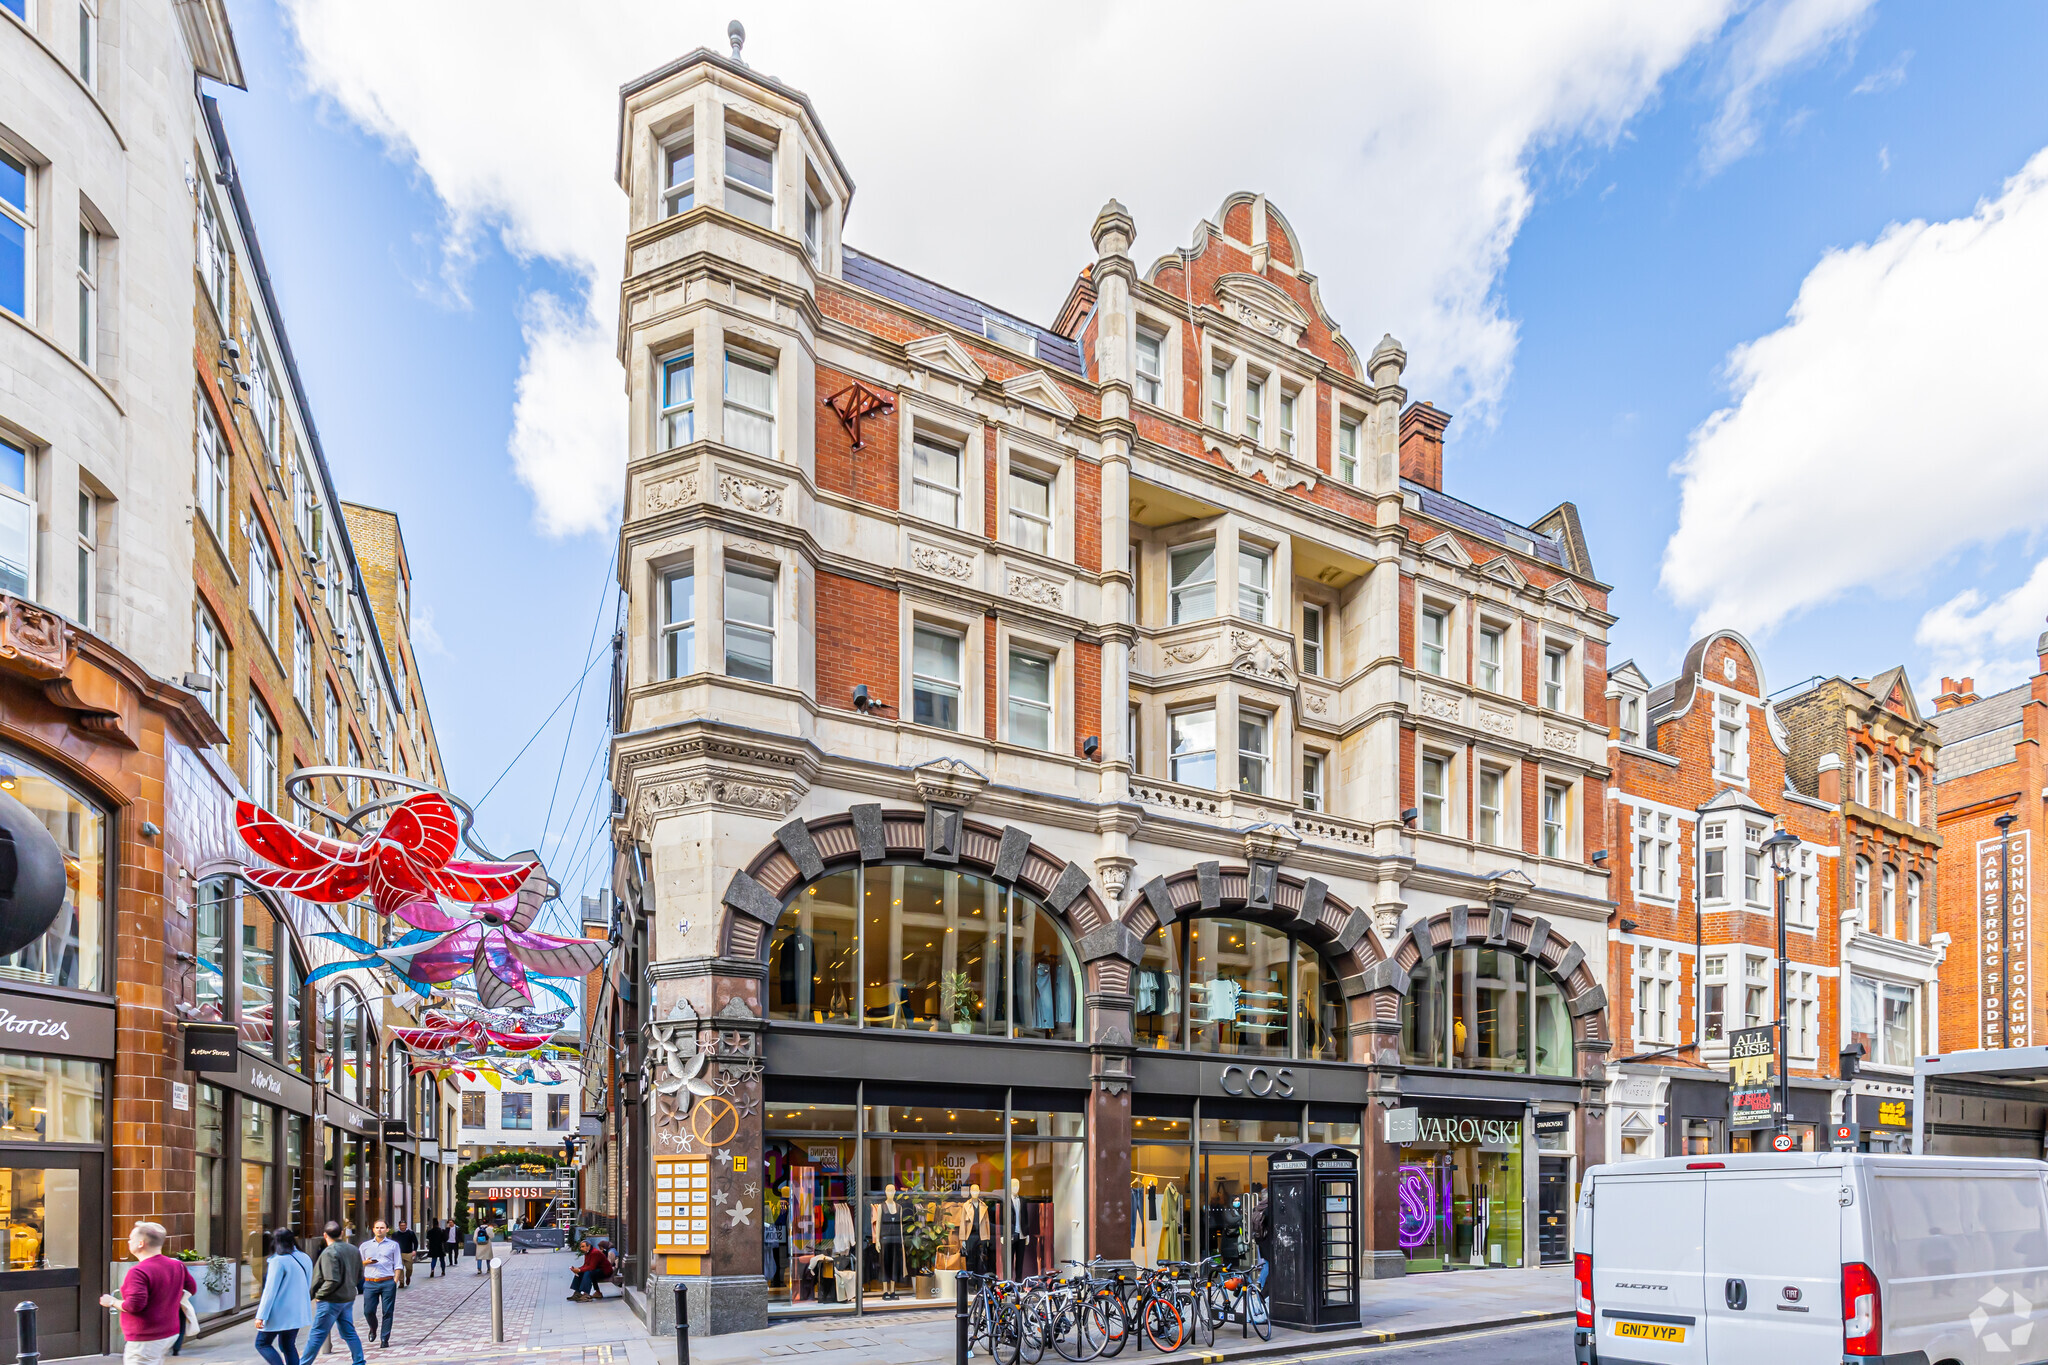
<point x="1422" y="444"/>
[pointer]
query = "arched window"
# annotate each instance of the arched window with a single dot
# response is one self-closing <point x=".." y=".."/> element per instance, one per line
<point x="70" y="954"/>
<point x="1238" y="988"/>
<point x="1861" y="791"/>
<point x="1912" y="796"/>
<point x="1486" y="1009"/>
<point x="907" y="946"/>
<point x="1889" y="902"/>
<point x="1888" y="787"/>
<point x="1863" y="893"/>
<point x="1912" y="908"/>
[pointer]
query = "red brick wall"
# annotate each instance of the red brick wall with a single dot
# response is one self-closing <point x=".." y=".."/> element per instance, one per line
<point x="857" y="641"/>
<point x="869" y="473"/>
<point x="1087" y="692"/>
<point x="1088" y="517"/>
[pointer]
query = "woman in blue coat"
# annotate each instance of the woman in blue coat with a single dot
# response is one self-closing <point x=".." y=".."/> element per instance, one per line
<point x="286" y="1308"/>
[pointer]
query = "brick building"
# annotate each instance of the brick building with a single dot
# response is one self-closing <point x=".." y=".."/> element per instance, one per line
<point x="1992" y="771"/>
<point x="1057" y="763"/>
<point x="1862" y="746"/>
<point x="183" y="621"/>
<point x="1703" y="772"/>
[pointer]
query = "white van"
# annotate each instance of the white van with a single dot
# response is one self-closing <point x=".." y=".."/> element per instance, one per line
<point x="1812" y="1257"/>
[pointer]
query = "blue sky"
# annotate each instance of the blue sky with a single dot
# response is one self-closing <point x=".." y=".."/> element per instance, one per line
<point x="1572" y="225"/>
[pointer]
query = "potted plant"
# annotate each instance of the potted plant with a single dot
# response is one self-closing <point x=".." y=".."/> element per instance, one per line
<point x="921" y="1241"/>
<point x="961" y="1000"/>
<point x="215" y="1281"/>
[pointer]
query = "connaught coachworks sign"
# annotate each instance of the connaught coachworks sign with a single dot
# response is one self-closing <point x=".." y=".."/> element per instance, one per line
<point x="2005" y="957"/>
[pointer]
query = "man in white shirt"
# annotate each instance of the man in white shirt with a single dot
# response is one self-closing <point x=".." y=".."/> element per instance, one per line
<point x="381" y="1258"/>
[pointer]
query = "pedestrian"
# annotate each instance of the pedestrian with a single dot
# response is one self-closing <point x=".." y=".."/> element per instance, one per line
<point x="592" y="1271"/>
<point x="437" y="1247"/>
<point x="408" y="1247"/>
<point x="286" y="1308"/>
<point x="152" y="1297"/>
<point x="381" y="1258"/>
<point x="518" y="1247"/>
<point x="483" y="1245"/>
<point x="337" y="1281"/>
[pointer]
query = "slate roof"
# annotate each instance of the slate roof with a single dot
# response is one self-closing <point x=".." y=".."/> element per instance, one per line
<point x="949" y="305"/>
<point x="1463" y="515"/>
<point x="1980" y="735"/>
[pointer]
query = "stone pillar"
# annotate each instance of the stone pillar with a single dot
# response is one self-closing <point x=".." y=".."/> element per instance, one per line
<point x="1108" y="955"/>
<point x="1116" y="337"/>
<point x="1376" y="1042"/>
<point x="1592" y="1055"/>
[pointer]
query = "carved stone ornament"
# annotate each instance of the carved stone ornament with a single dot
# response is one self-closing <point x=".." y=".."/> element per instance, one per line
<point x="670" y="493"/>
<point x="1562" y="740"/>
<point x="1115" y="875"/>
<point x="946" y="564"/>
<point x="750" y="495"/>
<point x="949" y="782"/>
<point x="1189" y="652"/>
<point x="1439" y="705"/>
<point x="1254" y="654"/>
<point x="1386" y="920"/>
<point x="1497" y="723"/>
<point x="33" y="641"/>
<point x="1040" y="592"/>
<point x="717" y="791"/>
<point x="1315" y="703"/>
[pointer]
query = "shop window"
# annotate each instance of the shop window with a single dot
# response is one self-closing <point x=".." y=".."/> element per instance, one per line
<point x="923" y="948"/>
<point x="1486" y="1009"/>
<point x="1881" y="1018"/>
<point x="516" y="1111"/>
<point x="262" y="940"/>
<point x="209" y="1146"/>
<point x="258" y="1192"/>
<point x="1236" y="987"/>
<point x="50" y="1099"/>
<point x="1460" y="1187"/>
<point x="70" y="953"/>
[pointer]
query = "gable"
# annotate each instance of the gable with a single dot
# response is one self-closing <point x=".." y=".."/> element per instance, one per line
<point x="1502" y="570"/>
<point x="1563" y="591"/>
<point x="1261" y="306"/>
<point x="940" y="352"/>
<point x="1037" y="389"/>
<point x="1447" y="548"/>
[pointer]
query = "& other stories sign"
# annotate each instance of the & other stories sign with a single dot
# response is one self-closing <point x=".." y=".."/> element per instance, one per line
<point x="67" y="1028"/>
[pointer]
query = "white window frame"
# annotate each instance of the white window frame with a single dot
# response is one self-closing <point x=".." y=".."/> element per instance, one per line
<point x="1731" y="723"/>
<point x="1219" y="394"/>
<point x="1888" y="787"/>
<point x="311" y="518"/>
<point x="1860" y="792"/>
<point x="676" y="419"/>
<point x="1656" y="994"/>
<point x="302" y="664"/>
<point x="1713" y="1008"/>
<point x="1912" y="796"/>
<point x="1030" y="530"/>
<point x="931" y="496"/>
<point x="1347" y="450"/>
<point x="1756" y="990"/>
<point x="330" y="725"/>
<point x="678" y="636"/>
<point x="1254" y="752"/>
<point x="1492" y="673"/>
<point x="925" y="680"/>
<point x="1019" y="713"/>
<point x="736" y="570"/>
<point x="1888" y="900"/>
<point x="1313" y="645"/>
<point x="1433" y="792"/>
<point x="673" y="191"/>
<point x="1493" y="806"/>
<point x="1655" y="841"/>
<point x="1557" y="819"/>
<point x="1629" y="720"/>
<point x="1556" y="677"/>
<point x="1255" y="408"/>
<point x="88" y="557"/>
<point x="814" y="224"/>
<point x="1714" y="861"/>
<point x="1288" y="398"/>
<point x="216" y="259"/>
<point x="1754" y="876"/>
<point x="1254" y="591"/>
<point x="88" y="293"/>
<point x="1859" y="903"/>
<point x="1913" y="907"/>
<point x="210" y="475"/>
<point x="1177" y="757"/>
<point x="759" y="199"/>
<point x="264" y="589"/>
<point x="89" y="44"/>
<point x="1433" y="640"/>
<point x="1178" y="593"/>
<point x="1149" y="386"/>
<point x="23" y="216"/>
<point x="747" y="360"/>
<point x="1802" y="1012"/>
<point x="211" y="657"/>
<point x="264" y="762"/>
<point x="1313" y="766"/>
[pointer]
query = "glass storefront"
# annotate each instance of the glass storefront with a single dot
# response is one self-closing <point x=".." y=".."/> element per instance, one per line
<point x="1236" y="988"/>
<point x="42" y="1224"/>
<point x="1162" y="1218"/>
<point x="259" y="1190"/>
<point x="1486" y="1009"/>
<point x="51" y="1099"/>
<point x="1460" y="1192"/>
<point x="72" y="953"/>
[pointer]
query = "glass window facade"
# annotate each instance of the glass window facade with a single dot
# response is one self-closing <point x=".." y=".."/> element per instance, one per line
<point x="1460" y="1190"/>
<point x="1237" y="988"/>
<point x="72" y="953"/>
<point x="1486" y="1009"/>
<point x="51" y="1099"/>
<point x="925" y="948"/>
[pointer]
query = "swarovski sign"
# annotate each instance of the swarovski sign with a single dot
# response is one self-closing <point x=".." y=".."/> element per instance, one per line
<point x="1465" y="1128"/>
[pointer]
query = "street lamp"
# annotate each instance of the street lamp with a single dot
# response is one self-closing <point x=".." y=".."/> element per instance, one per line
<point x="2005" y="823"/>
<point x="1782" y="844"/>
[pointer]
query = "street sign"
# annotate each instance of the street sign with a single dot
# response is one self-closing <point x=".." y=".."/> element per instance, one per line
<point x="1782" y="1142"/>
<point x="1846" y="1138"/>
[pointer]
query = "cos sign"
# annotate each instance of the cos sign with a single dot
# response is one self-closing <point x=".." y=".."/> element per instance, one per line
<point x="1264" y="1082"/>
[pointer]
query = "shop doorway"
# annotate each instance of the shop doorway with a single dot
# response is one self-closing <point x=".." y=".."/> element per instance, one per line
<point x="1232" y="1182"/>
<point x="54" y="1206"/>
<point x="1553" y="1211"/>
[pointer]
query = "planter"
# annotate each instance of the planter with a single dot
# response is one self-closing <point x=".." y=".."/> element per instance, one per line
<point x="927" y="1286"/>
<point x="963" y="1027"/>
<point x="205" y="1301"/>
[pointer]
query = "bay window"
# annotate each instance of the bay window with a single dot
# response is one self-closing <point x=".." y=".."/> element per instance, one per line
<point x="1312" y="639"/>
<point x="749" y="623"/>
<point x="679" y="622"/>
<point x="1312" y="782"/>
<point x="749" y="178"/>
<point x="679" y="177"/>
<point x="749" y="403"/>
<point x="1253" y="731"/>
<point x="1254" y="584"/>
<point x="678" y="400"/>
<point x="1192" y="586"/>
<point x="1193" y="756"/>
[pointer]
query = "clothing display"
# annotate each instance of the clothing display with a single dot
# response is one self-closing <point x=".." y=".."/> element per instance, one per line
<point x="1031" y="1245"/>
<point x="890" y="1239"/>
<point x="1158" y="992"/>
<point x="1156" y="1211"/>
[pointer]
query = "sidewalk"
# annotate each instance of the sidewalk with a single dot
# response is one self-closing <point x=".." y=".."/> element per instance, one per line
<point x="448" y="1319"/>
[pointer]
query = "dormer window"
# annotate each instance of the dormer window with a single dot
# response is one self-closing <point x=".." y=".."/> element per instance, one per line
<point x="749" y="179"/>
<point x="679" y="177"/>
<point x="1631" y="720"/>
<point x="1009" y="334"/>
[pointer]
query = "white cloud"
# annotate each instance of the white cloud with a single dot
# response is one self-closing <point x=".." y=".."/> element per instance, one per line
<point x="1993" y="642"/>
<point x="1885" y="78"/>
<point x="1895" y="419"/>
<point x="1397" y="141"/>
<point x="1773" y="40"/>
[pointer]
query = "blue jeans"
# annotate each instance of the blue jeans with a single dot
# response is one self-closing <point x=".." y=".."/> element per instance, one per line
<point x="380" y="1303"/>
<point x="329" y="1317"/>
<point x="289" y="1341"/>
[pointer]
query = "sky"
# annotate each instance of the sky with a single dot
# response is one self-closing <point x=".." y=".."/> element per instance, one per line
<point x="1762" y="287"/>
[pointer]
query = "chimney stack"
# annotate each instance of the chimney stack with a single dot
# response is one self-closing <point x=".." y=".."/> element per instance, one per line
<point x="1422" y="445"/>
<point x="1955" y="692"/>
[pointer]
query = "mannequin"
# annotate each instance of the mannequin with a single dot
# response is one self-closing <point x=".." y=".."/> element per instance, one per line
<point x="976" y="1246"/>
<point x="1016" y="1225"/>
<point x="886" y="1227"/>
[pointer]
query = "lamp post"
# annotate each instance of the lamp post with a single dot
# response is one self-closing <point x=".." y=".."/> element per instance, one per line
<point x="1781" y="846"/>
<point x="2005" y="823"/>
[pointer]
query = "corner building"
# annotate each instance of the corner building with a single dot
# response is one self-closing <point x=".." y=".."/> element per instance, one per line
<point x="1057" y="764"/>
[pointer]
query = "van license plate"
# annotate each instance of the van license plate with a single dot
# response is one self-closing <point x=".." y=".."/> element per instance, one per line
<point x="1649" y="1331"/>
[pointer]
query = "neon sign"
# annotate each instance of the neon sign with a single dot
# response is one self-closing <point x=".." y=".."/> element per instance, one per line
<point x="1418" y="1190"/>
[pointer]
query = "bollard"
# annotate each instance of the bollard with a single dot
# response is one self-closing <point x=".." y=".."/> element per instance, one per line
<point x="25" y="1352"/>
<point x="682" y="1324"/>
<point x="961" y="1354"/>
<point x="497" y="1300"/>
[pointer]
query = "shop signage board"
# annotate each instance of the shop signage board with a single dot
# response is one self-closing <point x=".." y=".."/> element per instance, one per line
<point x="479" y="1194"/>
<point x="213" y="1047"/>
<point x="65" y="1028"/>
<point x="2005" y="956"/>
<point x="1846" y="1138"/>
<point x="1554" y="1126"/>
<point x="1751" y="1055"/>
<point x="1878" y="1111"/>
<point x="1489" y="1134"/>
<point x="264" y="1080"/>
<point x="682" y="1205"/>
<point x="1402" y="1125"/>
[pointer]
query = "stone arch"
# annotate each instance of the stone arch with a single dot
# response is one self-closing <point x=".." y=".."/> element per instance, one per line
<point x="1500" y="926"/>
<point x="805" y="850"/>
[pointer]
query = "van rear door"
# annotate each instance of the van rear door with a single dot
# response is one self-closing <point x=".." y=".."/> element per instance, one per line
<point x="1648" y="1266"/>
<point x="1774" y="1264"/>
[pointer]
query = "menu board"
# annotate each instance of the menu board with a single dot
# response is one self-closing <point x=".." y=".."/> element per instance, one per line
<point x="682" y="1205"/>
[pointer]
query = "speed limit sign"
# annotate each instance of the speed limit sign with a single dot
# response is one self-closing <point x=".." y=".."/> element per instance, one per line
<point x="1782" y="1143"/>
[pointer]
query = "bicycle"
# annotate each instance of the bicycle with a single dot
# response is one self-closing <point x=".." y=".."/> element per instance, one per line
<point x="1079" y="1315"/>
<point x="1154" y="1303"/>
<point x="995" y="1319"/>
<point x="1237" y="1295"/>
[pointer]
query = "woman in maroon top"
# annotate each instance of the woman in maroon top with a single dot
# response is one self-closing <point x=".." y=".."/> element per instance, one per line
<point x="152" y="1295"/>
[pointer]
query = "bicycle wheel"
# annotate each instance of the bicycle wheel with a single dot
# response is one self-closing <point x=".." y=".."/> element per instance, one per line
<point x="1033" y="1327"/>
<point x="1261" y="1317"/>
<point x="1116" y="1321"/>
<point x="1063" y="1330"/>
<point x="1194" y="1309"/>
<point x="1006" y="1333"/>
<point x="1163" y="1325"/>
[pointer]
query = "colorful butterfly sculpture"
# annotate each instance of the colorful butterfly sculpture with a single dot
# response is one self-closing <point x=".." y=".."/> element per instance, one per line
<point x="410" y="857"/>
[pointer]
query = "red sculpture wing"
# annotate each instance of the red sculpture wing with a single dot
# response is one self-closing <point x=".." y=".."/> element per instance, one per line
<point x="425" y="827"/>
<point x="398" y="879"/>
<point x="329" y="885"/>
<point x="475" y="882"/>
<point x="277" y="842"/>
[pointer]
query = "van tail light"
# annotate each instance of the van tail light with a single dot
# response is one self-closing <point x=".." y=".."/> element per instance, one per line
<point x="1862" y="1311"/>
<point x="1582" y="1276"/>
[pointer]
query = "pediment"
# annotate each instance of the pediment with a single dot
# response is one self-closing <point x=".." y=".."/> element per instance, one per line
<point x="1037" y="388"/>
<point x="1261" y="306"/>
<point x="941" y="352"/>
<point x="1502" y="570"/>
<point x="1447" y="548"/>
<point x="1563" y="591"/>
<point x="1627" y="675"/>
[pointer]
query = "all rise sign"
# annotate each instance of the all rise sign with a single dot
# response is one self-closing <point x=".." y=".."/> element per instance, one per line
<point x="2005" y="952"/>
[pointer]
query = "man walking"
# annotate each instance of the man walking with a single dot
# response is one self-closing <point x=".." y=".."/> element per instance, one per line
<point x="151" y="1319"/>
<point x="437" y="1247"/>
<point x="408" y="1247"/>
<point x="337" y="1280"/>
<point x="381" y="1258"/>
